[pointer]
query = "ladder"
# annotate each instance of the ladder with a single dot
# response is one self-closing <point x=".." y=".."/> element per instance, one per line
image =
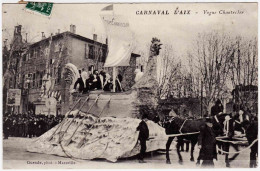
<point x="69" y="140"/>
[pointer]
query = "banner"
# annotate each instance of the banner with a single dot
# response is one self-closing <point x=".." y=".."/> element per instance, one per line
<point x="105" y="137"/>
<point x="14" y="97"/>
<point x="120" y="40"/>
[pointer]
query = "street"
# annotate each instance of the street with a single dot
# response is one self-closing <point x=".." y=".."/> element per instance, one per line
<point x="15" y="156"/>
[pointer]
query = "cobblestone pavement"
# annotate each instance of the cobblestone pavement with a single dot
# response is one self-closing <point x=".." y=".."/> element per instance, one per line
<point x="15" y="156"/>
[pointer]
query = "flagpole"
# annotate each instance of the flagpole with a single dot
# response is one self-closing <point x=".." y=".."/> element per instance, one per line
<point x="113" y="10"/>
<point x="114" y="68"/>
<point x="114" y="79"/>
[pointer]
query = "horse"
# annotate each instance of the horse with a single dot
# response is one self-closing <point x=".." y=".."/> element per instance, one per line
<point x="251" y="130"/>
<point x="178" y="125"/>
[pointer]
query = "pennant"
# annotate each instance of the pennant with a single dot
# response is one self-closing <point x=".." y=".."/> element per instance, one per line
<point x="108" y="8"/>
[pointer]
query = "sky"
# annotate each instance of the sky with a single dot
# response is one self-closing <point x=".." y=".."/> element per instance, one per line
<point x="176" y="30"/>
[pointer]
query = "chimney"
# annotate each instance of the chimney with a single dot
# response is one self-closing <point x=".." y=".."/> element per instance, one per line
<point x="18" y="29"/>
<point x="58" y="31"/>
<point x="43" y="35"/>
<point x="72" y="28"/>
<point x="95" y="37"/>
<point x="106" y="41"/>
<point x="26" y="37"/>
<point x="5" y="42"/>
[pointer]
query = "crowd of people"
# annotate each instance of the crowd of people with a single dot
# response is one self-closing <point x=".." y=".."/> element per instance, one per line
<point x="28" y="125"/>
<point x="97" y="81"/>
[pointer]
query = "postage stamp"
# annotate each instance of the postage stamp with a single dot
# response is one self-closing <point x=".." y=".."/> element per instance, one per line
<point x="44" y="8"/>
<point x="130" y="85"/>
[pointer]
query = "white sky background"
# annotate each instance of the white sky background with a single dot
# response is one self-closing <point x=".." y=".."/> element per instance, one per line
<point x="177" y="30"/>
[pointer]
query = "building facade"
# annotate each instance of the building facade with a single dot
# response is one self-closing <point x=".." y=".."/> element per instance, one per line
<point x="48" y="57"/>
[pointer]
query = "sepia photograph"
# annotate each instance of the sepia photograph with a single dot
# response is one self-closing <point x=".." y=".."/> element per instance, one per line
<point x="129" y="85"/>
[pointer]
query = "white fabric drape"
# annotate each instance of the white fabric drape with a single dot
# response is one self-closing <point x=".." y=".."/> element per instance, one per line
<point x="120" y="40"/>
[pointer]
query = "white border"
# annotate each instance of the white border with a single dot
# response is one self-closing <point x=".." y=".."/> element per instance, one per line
<point x="115" y="1"/>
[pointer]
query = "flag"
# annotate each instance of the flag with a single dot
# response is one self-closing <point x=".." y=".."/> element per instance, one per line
<point x="108" y="8"/>
<point x="120" y="40"/>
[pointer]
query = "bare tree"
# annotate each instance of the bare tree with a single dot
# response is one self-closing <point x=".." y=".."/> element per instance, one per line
<point x="169" y="72"/>
<point x="211" y="56"/>
<point x="244" y="72"/>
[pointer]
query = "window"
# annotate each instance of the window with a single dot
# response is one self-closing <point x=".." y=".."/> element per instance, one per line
<point x="33" y="80"/>
<point x="104" y="55"/>
<point x="100" y="56"/>
<point x="29" y="76"/>
<point x="11" y="82"/>
<point x="52" y="61"/>
<point x="29" y="56"/>
<point x="56" y="47"/>
<point x="91" y="52"/>
<point x="59" y="74"/>
<point x="41" y="52"/>
<point x="86" y="51"/>
<point x="40" y="81"/>
<point x="23" y="78"/>
<point x="24" y="81"/>
<point x="34" y="53"/>
<point x="46" y="50"/>
<point x="24" y="57"/>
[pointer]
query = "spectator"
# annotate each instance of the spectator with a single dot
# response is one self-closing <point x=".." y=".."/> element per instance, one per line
<point x="119" y="79"/>
<point x="80" y="82"/>
<point x="102" y="76"/>
<point x="143" y="137"/>
<point x="156" y="119"/>
<point x="22" y="125"/>
<point x="207" y="144"/>
<point x="217" y="108"/>
<point x="96" y="81"/>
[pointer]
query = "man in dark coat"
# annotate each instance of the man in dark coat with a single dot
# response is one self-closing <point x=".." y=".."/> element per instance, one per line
<point x="97" y="82"/>
<point x="217" y="108"/>
<point x="251" y="128"/>
<point x="207" y="143"/>
<point x="26" y="122"/>
<point x="119" y="80"/>
<point x="143" y="137"/>
<point x="31" y="128"/>
<point x="7" y="127"/>
<point x="156" y="119"/>
<point x="80" y="82"/>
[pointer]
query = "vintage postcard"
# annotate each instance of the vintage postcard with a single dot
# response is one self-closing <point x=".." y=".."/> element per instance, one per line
<point x="130" y="85"/>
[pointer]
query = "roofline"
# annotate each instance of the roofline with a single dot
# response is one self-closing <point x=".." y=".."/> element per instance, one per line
<point x="70" y="34"/>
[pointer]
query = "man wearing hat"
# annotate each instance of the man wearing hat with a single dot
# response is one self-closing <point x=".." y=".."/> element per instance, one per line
<point x="143" y="137"/>
<point x="217" y="108"/>
<point x="207" y="143"/>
